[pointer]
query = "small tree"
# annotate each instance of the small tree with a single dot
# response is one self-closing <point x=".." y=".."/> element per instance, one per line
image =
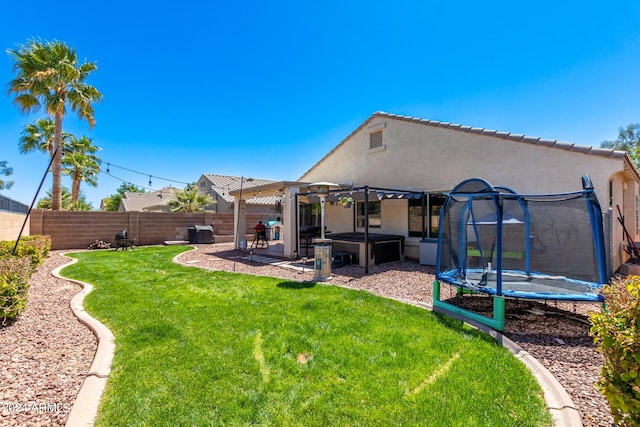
<point x="617" y="332"/>
<point x="5" y="171"/>
<point x="628" y="140"/>
<point x="189" y="200"/>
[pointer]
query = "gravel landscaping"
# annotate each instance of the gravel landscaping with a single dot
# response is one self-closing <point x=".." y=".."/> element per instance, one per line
<point x="48" y="352"/>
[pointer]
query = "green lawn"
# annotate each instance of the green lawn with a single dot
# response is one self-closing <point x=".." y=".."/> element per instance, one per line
<point x="200" y="348"/>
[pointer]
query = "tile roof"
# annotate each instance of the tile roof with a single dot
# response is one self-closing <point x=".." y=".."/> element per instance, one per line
<point x="223" y="184"/>
<point x="607" y="152"/>
<point x="139" y="202"/>
<point x="586" y="149"/>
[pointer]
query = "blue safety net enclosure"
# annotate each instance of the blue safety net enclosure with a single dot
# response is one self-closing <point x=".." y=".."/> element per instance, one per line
<point x="545" y="246"/>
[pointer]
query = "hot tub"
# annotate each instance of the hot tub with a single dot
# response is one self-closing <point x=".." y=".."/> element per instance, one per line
<point x="382" y="247"/>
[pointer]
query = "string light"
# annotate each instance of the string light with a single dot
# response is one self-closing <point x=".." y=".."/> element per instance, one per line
<point x="109" y="164"/>
<point x="222" y="190"/>
<point x="130" y="183"/>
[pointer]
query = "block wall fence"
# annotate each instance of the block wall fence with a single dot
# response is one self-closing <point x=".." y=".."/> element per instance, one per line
<point x="78" y="229"/>
<point x="10" y="225"/>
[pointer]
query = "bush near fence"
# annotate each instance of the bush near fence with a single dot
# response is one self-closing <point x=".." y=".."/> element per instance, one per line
<point x="36" y="248"/>
<point x="617" y="332"/>
<point x="15" y="271"/>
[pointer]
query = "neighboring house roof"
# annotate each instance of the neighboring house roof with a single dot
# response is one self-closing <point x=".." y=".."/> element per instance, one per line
<point x="154" y="201"/>
<point x="224" y="184"/>
<point x="606" y="152"/>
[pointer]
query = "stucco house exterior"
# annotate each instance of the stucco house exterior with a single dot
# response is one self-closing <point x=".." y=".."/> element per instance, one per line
<point x="420" y="160"/>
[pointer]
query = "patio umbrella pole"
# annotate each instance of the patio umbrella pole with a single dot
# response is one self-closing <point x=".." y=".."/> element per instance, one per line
<point x="238" y="223"/>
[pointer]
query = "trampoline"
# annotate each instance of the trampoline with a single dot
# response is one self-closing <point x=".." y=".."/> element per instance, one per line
<point x="534" y="246"/>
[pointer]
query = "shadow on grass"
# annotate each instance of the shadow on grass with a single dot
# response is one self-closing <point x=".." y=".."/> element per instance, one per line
<point x="296" y="285"/>
<point x="463" y="328"/>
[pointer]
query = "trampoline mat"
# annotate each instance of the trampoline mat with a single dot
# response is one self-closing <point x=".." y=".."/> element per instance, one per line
<point x="518" y="284"/>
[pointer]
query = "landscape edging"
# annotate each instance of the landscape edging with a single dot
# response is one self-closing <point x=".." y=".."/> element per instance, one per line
<point x="85" y="408"/>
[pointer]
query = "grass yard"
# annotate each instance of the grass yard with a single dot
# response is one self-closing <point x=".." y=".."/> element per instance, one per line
<point x="201" y="348"/>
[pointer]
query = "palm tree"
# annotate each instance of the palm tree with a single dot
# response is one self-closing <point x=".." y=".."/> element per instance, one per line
<point x="81" y="163"/>
<point x="38" y="136"/>
<point x="80" y="205"/>
<point x="188" y="200"/>
<point x="48" y="75"/>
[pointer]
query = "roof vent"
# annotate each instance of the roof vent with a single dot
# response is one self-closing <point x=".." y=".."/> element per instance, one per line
<point x="375" y="139"/>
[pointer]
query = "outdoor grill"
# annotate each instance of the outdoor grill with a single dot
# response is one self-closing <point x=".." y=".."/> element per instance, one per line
<point x="201" y="234"/>
<point x="123" y="241"/>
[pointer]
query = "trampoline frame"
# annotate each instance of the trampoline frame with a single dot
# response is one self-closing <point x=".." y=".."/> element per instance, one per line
<point x="459" y="277"/>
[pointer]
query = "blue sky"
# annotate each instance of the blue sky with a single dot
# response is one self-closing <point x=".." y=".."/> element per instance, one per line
<point x="265" y="89"/>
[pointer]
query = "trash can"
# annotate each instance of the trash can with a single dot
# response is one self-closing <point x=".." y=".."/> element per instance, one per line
<point x="322" y="254"/>
<point x="201" y="234"/>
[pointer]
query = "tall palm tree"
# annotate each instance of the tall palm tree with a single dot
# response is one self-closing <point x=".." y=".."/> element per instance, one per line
<point x="49" y="75"/>
<point x="81" y="163"/>
<point x="188" y="200"/>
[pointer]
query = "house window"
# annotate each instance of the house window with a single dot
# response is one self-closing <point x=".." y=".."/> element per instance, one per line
<point x="374" y="210"/>
<point x="436" y="202"/>
<point x="310" y="214"/>
<point x="375" y="139"/>
<point x="417" y="219"/>
<point x="425" y="224"/>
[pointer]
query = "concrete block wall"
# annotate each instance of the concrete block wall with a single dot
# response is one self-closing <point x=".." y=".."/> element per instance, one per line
<point x="10" y="225"/>
<point x="76" y="230"/>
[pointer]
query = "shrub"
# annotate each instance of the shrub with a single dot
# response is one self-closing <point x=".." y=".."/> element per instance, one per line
<point x="616" y="330"/>
<point x="14" y="284"/>
<point x="15" y="272"/>
<point x="35" y="247"/>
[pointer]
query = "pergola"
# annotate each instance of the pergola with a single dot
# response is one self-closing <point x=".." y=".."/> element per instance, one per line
<point x="293" y="191"/>
<point x="284" y="189"/>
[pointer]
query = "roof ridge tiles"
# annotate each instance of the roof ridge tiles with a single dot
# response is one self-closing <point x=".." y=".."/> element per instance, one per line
<point x="486" y="132"/>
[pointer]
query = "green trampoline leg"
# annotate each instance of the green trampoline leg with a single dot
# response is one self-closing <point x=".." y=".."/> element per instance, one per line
<point x="497" y="322"/>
